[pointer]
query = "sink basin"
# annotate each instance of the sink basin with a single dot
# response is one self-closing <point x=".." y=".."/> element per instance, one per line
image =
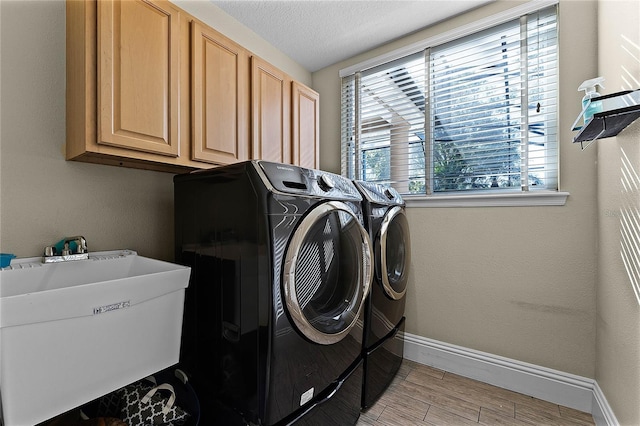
<point x="71" y="332"/>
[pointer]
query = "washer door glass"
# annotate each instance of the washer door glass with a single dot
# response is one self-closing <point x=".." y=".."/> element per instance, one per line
<point x="395" y="254"/>
<point x="327" y="272"/>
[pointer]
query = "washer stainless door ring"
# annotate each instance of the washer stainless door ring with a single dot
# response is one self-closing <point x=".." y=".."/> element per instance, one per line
<point x="327" y="272"/>
<point x="395" y="252"/>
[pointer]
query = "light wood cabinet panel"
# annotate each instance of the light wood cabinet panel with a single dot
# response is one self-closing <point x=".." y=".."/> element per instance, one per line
<point x="305" y="138"/>
<point x="81" y="79"/>
<point x="270" y="112"/>
<point x="220" y="97"/>
<point x="84" y="89"/>
<point x="139" y="57"/>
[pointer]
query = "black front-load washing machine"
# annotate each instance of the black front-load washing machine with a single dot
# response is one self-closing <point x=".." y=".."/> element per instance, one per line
<point x="281" y="266"/>
<point x="383" y="344"/>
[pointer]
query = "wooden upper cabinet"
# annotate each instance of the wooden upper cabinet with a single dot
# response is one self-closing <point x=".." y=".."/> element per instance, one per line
<point x="270" y="112"/>
<point x="139" y="75"/>
<point x="305" y="137"/>
<point x="151" y="87"/>
<point x="220" y="97"/>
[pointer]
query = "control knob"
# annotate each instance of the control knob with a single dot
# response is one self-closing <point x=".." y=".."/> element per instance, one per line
<point x="389" y="194"/>
<point x="325" y="182"/>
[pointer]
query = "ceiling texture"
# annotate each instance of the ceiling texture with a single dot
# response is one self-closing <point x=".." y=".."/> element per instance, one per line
<point x="319" y="33"/>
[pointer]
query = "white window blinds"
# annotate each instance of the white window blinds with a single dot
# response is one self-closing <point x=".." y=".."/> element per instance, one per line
<point x="477" y="113"/>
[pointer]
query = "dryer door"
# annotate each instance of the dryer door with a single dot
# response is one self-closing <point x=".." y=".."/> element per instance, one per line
<point x="327" y="272"/>
<point x="395" y="253"/>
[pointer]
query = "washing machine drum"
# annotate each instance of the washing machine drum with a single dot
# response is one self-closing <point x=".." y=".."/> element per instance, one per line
<point x="393" y="253"/>
<point x="327" y="272"/>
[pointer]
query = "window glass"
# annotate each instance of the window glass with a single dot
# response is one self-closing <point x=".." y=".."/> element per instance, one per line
<point x="477" y="113"/>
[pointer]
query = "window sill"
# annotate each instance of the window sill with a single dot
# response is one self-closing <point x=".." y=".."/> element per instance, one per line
<point x="502" y="199"/>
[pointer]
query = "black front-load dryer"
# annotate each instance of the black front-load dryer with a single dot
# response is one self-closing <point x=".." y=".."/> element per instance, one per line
<point x="383" y="344"/>
<point x="281" y="266"/>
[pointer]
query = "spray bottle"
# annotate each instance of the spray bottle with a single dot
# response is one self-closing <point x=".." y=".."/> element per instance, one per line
<point x="591" y="108"/>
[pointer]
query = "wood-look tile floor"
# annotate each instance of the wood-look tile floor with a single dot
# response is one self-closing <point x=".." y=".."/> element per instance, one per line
<point x="422" y="395"/>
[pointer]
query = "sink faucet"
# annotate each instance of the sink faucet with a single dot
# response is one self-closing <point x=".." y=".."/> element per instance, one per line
<point x="81" y="244"/>
<point x="66" y="252"/>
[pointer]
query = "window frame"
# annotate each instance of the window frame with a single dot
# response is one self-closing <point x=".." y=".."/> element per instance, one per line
<point x="503" y="197"/>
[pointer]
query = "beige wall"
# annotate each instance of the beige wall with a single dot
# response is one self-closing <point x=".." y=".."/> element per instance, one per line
<point x="43" y="197"/>
<point x="618" y="320"/>
<point x="513" y="281"/>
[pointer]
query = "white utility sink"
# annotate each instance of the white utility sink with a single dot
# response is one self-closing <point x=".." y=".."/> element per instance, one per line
<point x="73" y="331"/>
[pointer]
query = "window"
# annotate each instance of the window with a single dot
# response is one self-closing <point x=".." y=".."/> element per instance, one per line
<point x="478" y="113"/>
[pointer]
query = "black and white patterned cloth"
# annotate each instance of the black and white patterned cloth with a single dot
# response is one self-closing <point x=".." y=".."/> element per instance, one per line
<point x="144" y="404"/>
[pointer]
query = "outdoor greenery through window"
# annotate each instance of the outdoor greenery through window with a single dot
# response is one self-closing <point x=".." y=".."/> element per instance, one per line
<point x="474" y="114"/>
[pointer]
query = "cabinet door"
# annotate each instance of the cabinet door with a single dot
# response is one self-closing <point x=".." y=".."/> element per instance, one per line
<point x="305" y="137"/>
<point x="138" y="75"/>
<point x="270" y="112"/>
<point x="220" y="96"/>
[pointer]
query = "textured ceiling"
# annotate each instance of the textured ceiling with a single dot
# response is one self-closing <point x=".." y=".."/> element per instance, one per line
<point x="319" y="33"/>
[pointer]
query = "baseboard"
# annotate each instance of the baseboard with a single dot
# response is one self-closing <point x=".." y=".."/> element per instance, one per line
<point x="561" y="388"/>
<point x="601" y="410"/>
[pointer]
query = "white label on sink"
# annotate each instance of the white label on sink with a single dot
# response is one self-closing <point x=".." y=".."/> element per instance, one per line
<point x="111" y="307"/>
<point x="306" y="397"/>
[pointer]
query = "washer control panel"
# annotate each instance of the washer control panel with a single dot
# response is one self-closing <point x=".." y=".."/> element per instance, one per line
<point x="380" y="194"/>
<point x="289" y="179"/>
